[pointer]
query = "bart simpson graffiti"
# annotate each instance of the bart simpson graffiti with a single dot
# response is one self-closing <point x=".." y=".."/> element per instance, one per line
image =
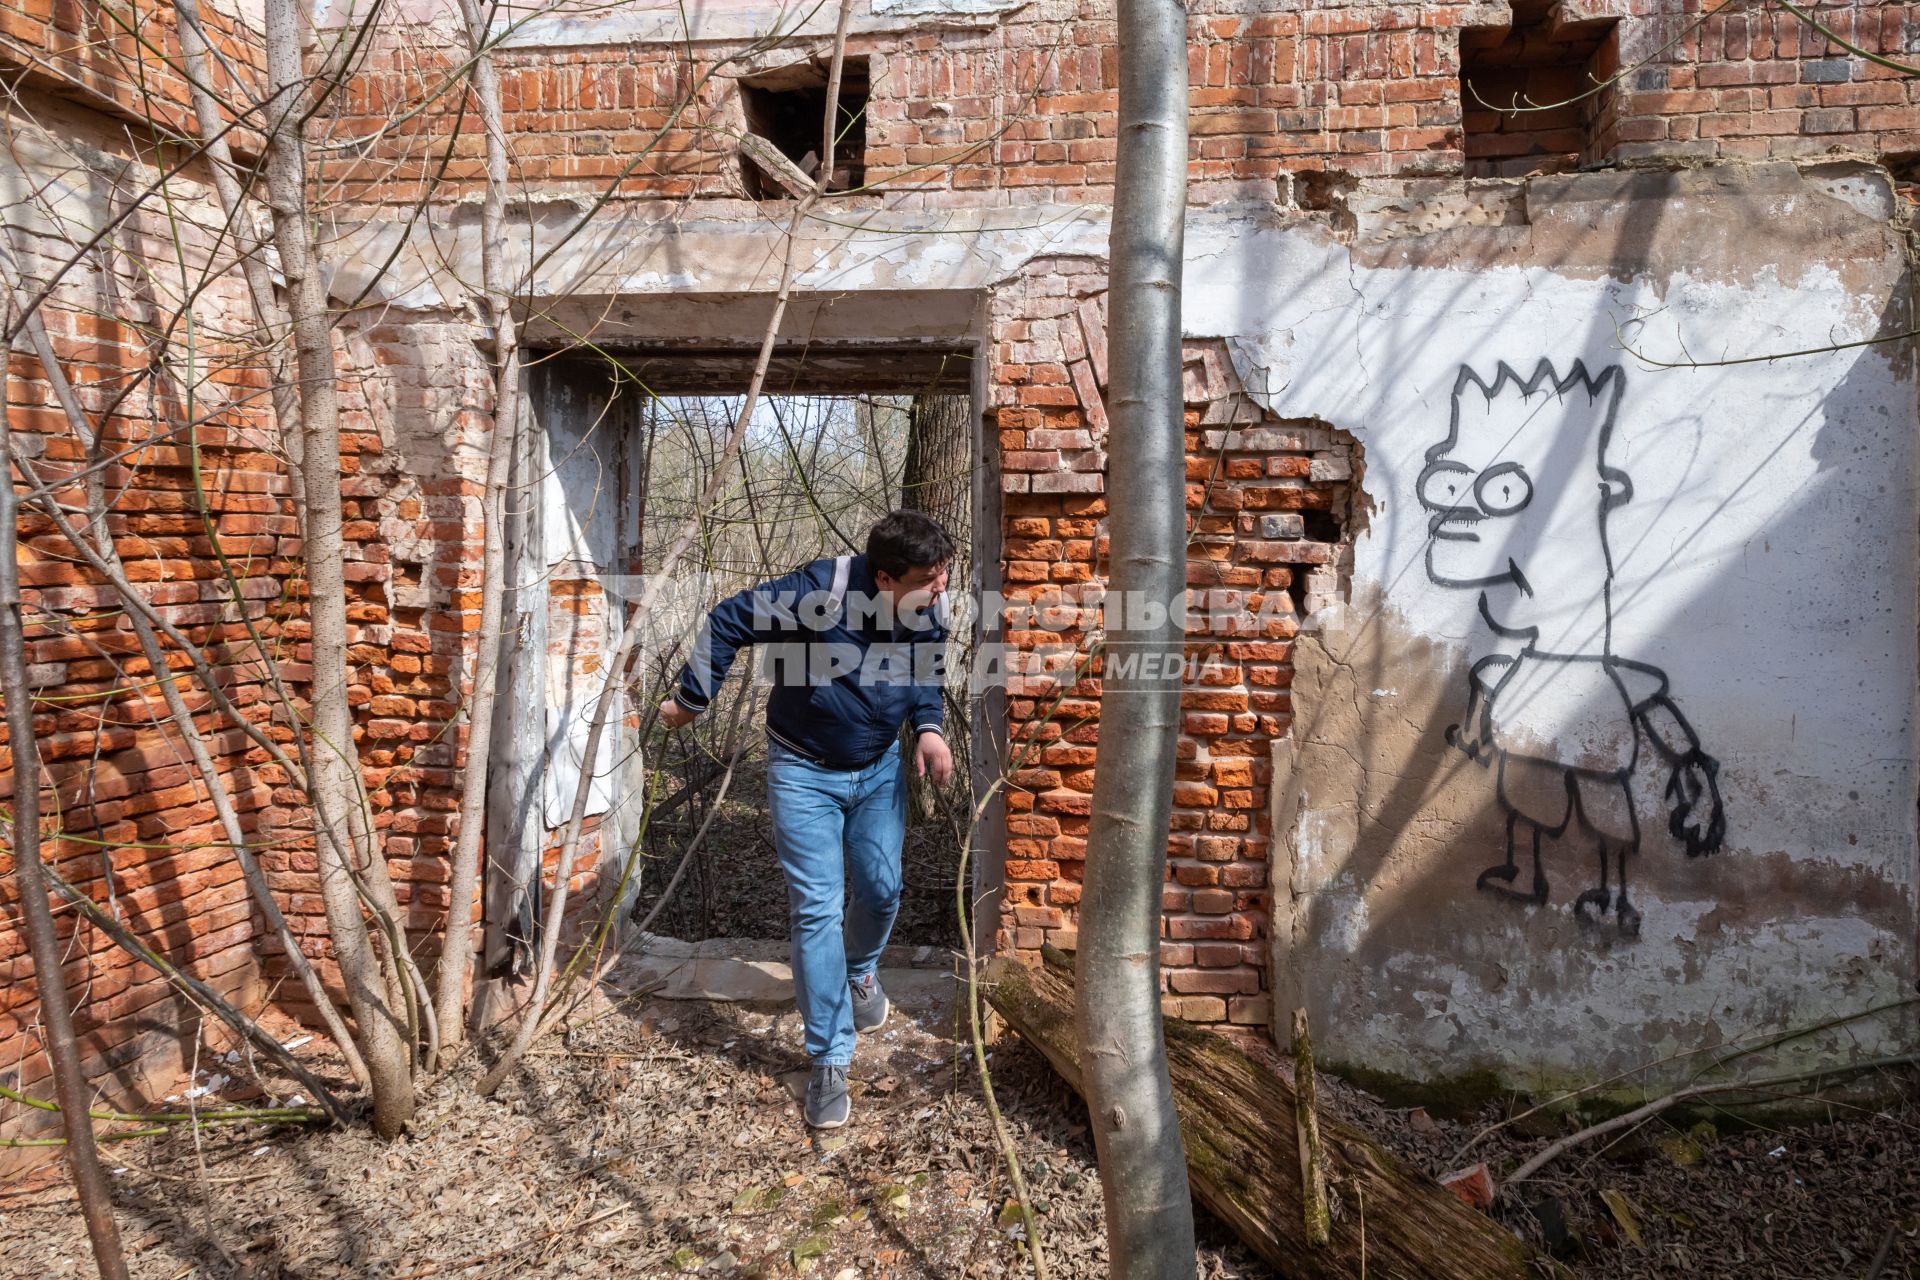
<point x="1519" y="495"/>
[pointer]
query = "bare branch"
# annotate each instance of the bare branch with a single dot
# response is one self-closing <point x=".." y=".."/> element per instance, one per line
<point x="183" y="720"/>
<point x="201" y="994"/>
<point x="55" y="1009"/>
<point x="456" y="955"/>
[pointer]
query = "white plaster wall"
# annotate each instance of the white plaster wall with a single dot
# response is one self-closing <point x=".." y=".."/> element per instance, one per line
<point x="1766" y="562"/>
<point x="588" y="520"/>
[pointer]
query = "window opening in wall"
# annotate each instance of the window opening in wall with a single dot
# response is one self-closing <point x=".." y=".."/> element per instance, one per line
<point x="1540" y="66"/>
<point x="788" y="108"/>
<point x="850" y="438"/>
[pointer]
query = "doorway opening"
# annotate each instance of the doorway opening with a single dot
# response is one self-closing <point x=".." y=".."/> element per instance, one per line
<point x="835" y="442"/>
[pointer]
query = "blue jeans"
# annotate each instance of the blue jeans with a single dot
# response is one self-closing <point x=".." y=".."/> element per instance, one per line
<point x="835" y="830"/>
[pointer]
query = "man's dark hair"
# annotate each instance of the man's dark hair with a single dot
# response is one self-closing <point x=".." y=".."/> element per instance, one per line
<point x="907" y="540"/>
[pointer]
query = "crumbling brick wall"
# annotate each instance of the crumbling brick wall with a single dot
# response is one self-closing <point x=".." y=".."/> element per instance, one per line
<point x="1268" y="503"/>
<point x="1021" y="109"/>
<point x="128" y="64"/>
<point x="1003" y="111"/>
<point x="1753" y="82"/>
<point x="130" y="823"/>
<point x="137" y="828"/>
<point x="413" y="428"/>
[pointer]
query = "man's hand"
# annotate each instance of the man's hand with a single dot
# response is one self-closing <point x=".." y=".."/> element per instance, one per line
<point x="931" y="756"/>
<point x="675" y="716"/>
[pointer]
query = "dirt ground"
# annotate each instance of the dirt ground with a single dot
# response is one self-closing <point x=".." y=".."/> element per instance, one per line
<point x="664" y="1138"/>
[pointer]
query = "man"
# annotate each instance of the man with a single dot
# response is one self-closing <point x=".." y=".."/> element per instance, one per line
<point x="855" y="647"/>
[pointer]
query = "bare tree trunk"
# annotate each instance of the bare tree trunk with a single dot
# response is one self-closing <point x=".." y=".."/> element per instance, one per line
<point x="1117" y="1011"/>
<point x="341" y="840"/>
<point x="937" y="480"/>
<point x="937" y="477"/>
<point x="515" y="827"/>
<point x="456" y="952"/>
<point x="70" y="1088"/>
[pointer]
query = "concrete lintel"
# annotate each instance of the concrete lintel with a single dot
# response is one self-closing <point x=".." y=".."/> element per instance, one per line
<point x="733" y="247"/>
<point x="694" y="320"/>
<point x="663" y="22"/>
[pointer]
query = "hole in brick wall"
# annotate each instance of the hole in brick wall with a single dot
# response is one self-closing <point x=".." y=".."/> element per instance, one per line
<point x="1297" y="592"/>
<point x="788" y="108"/>
<point x="1904" y="168"/>
<point x="1326" y="191"/>
<point x="1323" y="526"/>
<point x="1320" y="190"/>
<point x="1903" y="165"/>
<point x="1518" y="87"/>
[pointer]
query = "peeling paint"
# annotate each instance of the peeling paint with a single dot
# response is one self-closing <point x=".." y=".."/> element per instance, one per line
<point x="1766" y="560"/>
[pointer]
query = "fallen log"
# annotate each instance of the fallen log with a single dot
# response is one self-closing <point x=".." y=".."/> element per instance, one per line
<point x="1390" y="1222"/>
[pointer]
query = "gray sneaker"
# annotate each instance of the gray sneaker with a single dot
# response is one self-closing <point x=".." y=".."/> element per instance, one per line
<point x="869" y="1003"/>
<point x="827" y="1102"/>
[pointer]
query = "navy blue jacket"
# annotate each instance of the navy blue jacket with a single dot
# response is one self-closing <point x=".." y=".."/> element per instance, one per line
<point x="843" y="681"/>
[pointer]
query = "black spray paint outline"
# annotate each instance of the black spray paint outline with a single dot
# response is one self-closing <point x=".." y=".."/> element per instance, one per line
<point x="1697" y="817"/>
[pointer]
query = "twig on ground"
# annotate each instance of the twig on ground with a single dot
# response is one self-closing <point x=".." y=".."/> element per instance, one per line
<point x="206" y="1121"/>
<point x="170" y="1117"/>
<point x="1760" y="1043"/>
<point x="1640" y="1115"/>
<point x="195" y="1178"/>
<point x="1879" y="1263"/>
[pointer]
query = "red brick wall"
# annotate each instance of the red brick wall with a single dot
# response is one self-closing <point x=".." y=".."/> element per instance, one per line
<point x="1552" y="74"/>
<point x="1023" y="107"/>
<point x="413" y="395"/>
<point x="1754" y="82"/>
<point x="1028" y="107"/>
<point x="86" y="51"/>
<point x="125" y="816"/>
<point x="1268" y="506"/>
<point x="415" y="415"/>
<point x="1366" y="89"/>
